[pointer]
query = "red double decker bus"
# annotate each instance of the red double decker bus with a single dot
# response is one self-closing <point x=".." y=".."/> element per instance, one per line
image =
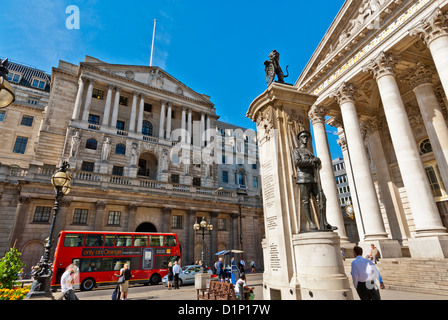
<point x="100" y="256"/>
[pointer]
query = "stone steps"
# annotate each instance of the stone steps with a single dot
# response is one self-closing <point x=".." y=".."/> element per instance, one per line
<point x="415" y="275"/>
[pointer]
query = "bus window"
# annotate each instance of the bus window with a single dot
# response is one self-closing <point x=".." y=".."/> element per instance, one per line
<point x="140" y="241"/>
<point x="124" y="240"/>
<point x="114" y="264"/>
<point x="147" y="258"/>
<point x="94" y="240"/>
<point x="170" y="241"/>
<point x="110" y="240"/>
<point x="73" y="240"/>
<point x="156" y="241"/>
<point x="90" y="265"/>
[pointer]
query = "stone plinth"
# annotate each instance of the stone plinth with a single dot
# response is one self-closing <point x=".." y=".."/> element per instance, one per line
<point x="320" y="269"/>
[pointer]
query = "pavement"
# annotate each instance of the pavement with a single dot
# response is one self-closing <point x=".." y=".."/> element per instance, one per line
<point x="255" y="280"/>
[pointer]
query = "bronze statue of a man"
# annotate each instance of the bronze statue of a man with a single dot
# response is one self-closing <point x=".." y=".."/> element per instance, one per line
<point x="308" y="180"/>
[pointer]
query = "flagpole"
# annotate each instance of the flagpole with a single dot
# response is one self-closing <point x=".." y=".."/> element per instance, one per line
<point x="152" y="46"/>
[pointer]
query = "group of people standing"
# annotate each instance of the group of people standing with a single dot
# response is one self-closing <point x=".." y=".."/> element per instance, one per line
<point x="174" y="271"/>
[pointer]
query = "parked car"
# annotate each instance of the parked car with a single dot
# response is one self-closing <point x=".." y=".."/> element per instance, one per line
<point x="188" y="274"/>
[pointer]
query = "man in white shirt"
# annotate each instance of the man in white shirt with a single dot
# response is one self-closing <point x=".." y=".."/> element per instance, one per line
<point x="364" y="273"/>
<point x="176" y="272"/>
<point x="67" y="281"/>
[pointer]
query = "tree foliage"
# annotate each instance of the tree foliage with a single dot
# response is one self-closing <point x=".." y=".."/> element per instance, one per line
<point x="10" y="266"/>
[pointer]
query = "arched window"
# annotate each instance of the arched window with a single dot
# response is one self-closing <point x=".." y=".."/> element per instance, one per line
<point x="147" y="128"/>
<point x="91" y="144"/>
<point x="425" y="146"/>
<point x="120" y="149"/>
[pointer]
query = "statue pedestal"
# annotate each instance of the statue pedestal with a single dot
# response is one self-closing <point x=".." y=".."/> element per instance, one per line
<point x="281" y="112"/>
<point x="320" y="268"/>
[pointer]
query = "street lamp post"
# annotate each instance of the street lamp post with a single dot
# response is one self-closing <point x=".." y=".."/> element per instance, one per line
<point x="41" y="285"/>
<point x="202" y="227"/>
<point x="7" y="95"/>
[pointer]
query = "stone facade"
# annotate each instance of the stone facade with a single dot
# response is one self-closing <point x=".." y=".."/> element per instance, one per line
<point x="141" y="148"/>
<point x="380" y="74"/>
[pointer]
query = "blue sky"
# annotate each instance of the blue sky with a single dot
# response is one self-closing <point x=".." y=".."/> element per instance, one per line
<point x="214" y="47"/>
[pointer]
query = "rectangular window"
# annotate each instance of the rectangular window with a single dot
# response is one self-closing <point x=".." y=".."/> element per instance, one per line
<point x="98" y="94"/>
<point x="20" y="145"/>
<point x="170" y="241"/>
<point x="80" y="216"/>
<point x="123" y="101"/>
<point x="225" y="177"/>
<point x="94" y="240"/>
<point x="117" y="171"/>
<point x="14" y="77"/>
<point x="42" y="214"/>
<point x="27" y="121"/>
<point x="93" y="119"/>
<point x="109" y="241"/>
<point x="174" y="178"/>
<point x="140" y="241"/>
<point x="87" y="166"/>
<point x="120" y="125"/>
<point x="147" y="107"/>
<point x="197" y="182"/>
<point x="2" y="115"/>
<point x="114" y="218"/>
<point x="255" y="182"/>
<point x="156" y="241"/>
<point x="40" y="84"/>
<point x="124" y="240"/>
<point x="90" y="265"/>
<point x="222" y="224"/>
<point x="176" y="222"/>
<point x="74" y="240"/>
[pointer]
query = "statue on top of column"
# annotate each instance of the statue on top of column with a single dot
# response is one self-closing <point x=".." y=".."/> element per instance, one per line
<point x="272" y="68"/>
<point x="308" y="180"/>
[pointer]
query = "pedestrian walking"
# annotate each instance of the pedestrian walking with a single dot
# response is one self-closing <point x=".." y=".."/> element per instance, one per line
<point x="176" y="272"/>
<point x="219" y="269"/>
<point x="252" y="266"/>
<point x="241" y="265"/>
<point x="365" y="274"/>
<point x="67" y="281"/>
<point x="124" y="277"/>
<point x="170" y="275"/>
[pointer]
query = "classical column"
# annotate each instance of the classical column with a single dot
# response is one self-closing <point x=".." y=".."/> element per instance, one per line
<point x="106" y="115"/>
<point x="140" y="114"/>
<point x="113" y="121"/>
<point x="19" y="222"/>
<point x="165" y="221"/>
<point x="182" y="126"/>
<point x="188" y="245"/>
<point x="168" y="121"/>
<point x="207" y="130"/>
<point x="424" y="209"/>
<point x="368" y="202"/>
<point x="133" y="111"/>
<point x="100" y="216"/>
<point x="390" y="194"/>
<point x="434" y="33"/>
<point x="334" y="213"/>
<point x="85" y="115"/>
<point x="213" y="238"/>
<point x="78" y="101"/>
<point x="162" y="119"/>
<point x="202" y="129"/>
<point x="189" y="126"/>
<point x="420" y="78"/>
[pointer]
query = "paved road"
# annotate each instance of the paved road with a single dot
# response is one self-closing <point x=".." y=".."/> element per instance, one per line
<point x="188" y="292"/>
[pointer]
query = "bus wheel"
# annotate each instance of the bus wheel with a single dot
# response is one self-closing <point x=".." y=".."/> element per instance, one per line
<point x="155" y="279"/>
<point x="88" y="284"/>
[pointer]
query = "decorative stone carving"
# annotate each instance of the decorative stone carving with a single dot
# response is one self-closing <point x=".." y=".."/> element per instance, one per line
<point x="420" y="74"/>
<point x="76" y="139"/>
<point x="317" y="114"/>
<point x="433" y="27"/>
<point x="265" y="123"/>
<point x="105" y="152"/>
<point x="345" y="93"/>
<point x="384" y="64"/>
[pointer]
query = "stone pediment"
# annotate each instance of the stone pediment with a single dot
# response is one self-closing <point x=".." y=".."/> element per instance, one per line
<point x="151" y="76"/>
<point x="355" y="20"/>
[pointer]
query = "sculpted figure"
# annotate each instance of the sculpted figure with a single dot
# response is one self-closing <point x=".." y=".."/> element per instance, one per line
<point x="308" y="180"/>
<point x="76" y="139"/>
<point x="106" y="150"/>
<point x="272" y="68"/>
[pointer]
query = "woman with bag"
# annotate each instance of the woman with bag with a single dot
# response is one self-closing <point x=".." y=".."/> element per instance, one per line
<point x="123" y="281"/>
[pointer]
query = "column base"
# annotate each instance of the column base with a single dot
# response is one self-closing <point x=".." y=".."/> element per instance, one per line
<point x="320" y="269"/>
<point x="200" y="281"/>
<point x="274" y="291"/>
<point x="429" y="247"/>
<point x="388" y="248"/>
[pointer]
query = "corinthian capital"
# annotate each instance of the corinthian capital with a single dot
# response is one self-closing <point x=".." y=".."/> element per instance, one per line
<point x="432" y="28"/>
<point x="420" y="74"/>
<point x="345" y="93"/>
<point x="384" y="64"/>
<point x="317" y="114"/>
